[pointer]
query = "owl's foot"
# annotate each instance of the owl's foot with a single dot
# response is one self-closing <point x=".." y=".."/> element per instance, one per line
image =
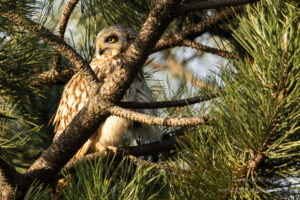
<point x="112" y="148"/>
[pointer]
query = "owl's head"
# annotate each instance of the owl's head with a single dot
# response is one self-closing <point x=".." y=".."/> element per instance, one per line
<point x="114" y="40"/>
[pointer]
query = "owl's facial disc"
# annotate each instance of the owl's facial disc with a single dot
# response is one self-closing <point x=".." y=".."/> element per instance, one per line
<point x="113" y="41"/>
<point x="109" y="45"/>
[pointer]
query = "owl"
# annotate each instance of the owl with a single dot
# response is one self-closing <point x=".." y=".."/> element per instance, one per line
<point x="111" y="44"/>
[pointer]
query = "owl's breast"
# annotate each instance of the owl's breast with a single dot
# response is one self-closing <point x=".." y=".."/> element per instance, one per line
<point x="104" y="66"/>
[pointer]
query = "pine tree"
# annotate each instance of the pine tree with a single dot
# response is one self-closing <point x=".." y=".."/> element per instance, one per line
<point x="237" y="138"/>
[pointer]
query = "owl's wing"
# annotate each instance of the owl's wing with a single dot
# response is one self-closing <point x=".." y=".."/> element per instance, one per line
<point x="76" y="95"/>
<point x="73" y="98"/>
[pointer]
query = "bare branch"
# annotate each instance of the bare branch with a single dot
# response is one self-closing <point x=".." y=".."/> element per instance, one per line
<point x="201" y="5"/>
<point x="65" y="18"/>
<point x="161" y="121"/>
<point x="61" y="30"/>
<point x="208" y="49"/>
<point x="52" y="77"/>
<point x="192" y="32"/>
<point x="167" y="104"/>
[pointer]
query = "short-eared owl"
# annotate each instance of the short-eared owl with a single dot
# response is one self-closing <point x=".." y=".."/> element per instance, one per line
<point x="111" y="44"/>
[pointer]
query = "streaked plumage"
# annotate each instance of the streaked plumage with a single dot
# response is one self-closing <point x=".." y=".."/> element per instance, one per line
<point x="111" y="43"/>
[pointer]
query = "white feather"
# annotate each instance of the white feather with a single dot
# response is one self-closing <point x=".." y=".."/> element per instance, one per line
<point x="80" y="106"/>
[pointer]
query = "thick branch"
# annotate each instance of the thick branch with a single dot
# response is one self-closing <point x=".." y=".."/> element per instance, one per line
<point x="212" y="4"/>
<point x="161" y="121"/>
<point x="167" y="104"/>
<point x="192" y="32"/>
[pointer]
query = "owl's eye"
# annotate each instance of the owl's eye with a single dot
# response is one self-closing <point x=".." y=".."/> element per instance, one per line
<point x="111" y="39"/>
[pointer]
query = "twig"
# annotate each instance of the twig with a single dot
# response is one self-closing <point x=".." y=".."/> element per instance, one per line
<point x="224" y="54"/>
<point x="212" y="4"/>
<point x="61" y="31"/>
<point x="65" y="18"/>
<point x="161" y="121"/>
<point x="167" y="104"/>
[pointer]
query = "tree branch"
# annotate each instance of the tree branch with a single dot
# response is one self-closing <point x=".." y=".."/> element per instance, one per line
<point x="224" y="54"/>
<point x="167" y="104"/>
<point x="65" y="18"/>
<point x="161" y="121"/>
<point x="61" y="30"/>
<point x="52" y="77"/>
<point x="196" y="6"/>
